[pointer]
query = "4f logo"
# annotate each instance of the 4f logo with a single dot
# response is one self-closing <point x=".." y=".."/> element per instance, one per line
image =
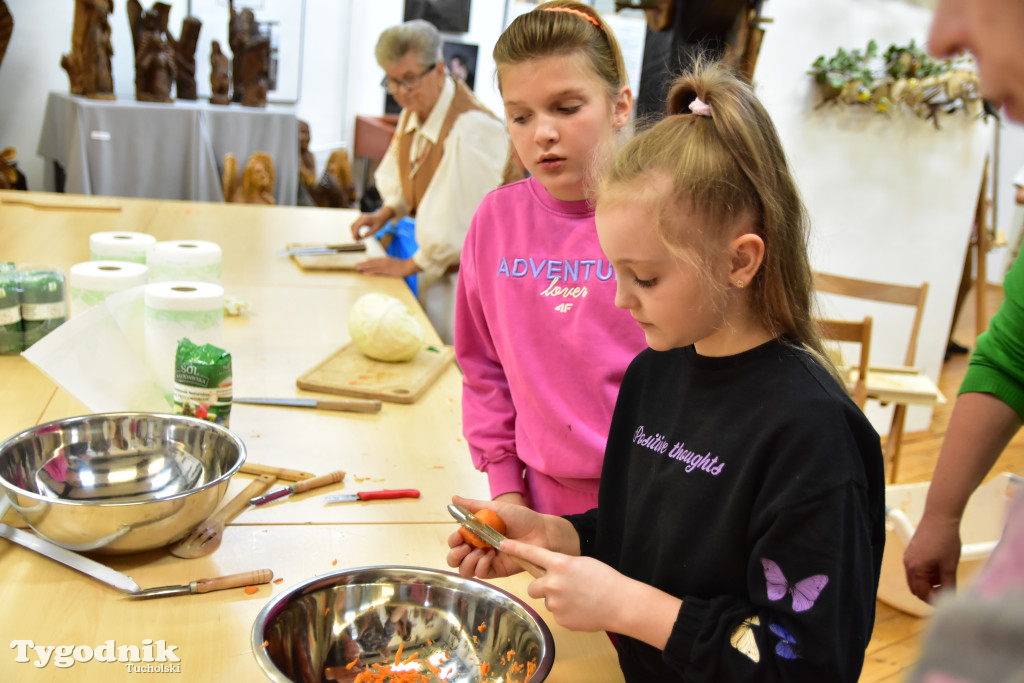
<point x="563" y="308"/>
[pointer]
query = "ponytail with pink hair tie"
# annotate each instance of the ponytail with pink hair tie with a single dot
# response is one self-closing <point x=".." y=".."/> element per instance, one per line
<point x="700" y="108"/>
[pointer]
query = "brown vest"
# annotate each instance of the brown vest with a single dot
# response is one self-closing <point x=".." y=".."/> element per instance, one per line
<point x="414" y="186"/>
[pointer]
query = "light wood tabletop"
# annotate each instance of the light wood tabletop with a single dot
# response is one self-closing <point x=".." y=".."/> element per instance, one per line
<point x="294" y="320"/>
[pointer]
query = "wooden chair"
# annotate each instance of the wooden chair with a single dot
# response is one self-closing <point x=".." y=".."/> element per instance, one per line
<point x="858" y="332"/>
<point x="900" y="386"/>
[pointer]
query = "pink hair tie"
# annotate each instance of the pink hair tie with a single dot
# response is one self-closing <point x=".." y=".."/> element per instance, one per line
<point x="577" y="12"/>
<point x="700" y="108"/>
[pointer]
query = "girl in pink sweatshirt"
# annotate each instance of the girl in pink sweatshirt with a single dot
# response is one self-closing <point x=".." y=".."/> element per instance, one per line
<point x="537" y="335"/>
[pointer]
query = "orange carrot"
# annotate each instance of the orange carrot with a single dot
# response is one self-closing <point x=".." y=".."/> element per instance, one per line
<point x="251" y="589"/>
<point x="398" y="655"/>
<point x="351" y="664"/>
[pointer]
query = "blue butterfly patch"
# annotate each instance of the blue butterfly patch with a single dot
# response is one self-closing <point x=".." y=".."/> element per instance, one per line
<point x="786" y="647"/>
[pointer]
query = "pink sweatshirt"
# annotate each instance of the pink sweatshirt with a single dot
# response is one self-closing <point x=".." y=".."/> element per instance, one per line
<point x="542" y="346"/>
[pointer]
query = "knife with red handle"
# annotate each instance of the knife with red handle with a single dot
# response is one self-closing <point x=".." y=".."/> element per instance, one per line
<point x="371" y="495"/>
<point x="299" y="487"/>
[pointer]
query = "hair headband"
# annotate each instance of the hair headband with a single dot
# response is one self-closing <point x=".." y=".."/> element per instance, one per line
<point x="700" y="108"/>
<point x="577" y="12"/>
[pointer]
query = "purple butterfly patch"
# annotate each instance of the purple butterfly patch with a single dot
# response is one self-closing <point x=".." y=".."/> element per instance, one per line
<point x="804" y="592"/>
<point x="785" y="648"/>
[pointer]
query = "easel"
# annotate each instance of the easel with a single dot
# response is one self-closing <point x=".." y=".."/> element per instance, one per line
<point x="982" y="241"/>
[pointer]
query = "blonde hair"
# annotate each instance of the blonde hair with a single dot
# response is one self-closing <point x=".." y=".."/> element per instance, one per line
<point x="417" y="36"/>
<point x="559" y="28"/>
<point x="724" y="168"/>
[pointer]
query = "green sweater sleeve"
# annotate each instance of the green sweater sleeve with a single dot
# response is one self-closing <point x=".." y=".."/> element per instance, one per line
<point x="997" y="365"/>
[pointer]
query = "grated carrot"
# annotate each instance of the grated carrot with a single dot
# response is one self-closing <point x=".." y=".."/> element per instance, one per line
<point x="278" y="580"/>
<point x="351" y="664"/>
<point x="251" y="589"/>
<point x="398" y="655"/>
<point x="482" y="627"/>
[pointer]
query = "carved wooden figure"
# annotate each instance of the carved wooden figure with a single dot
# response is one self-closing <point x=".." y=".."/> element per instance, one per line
<point x="185" y="58"/>
<point x="220" y="75"/>
<point x="242" y="30"/>
<point x="337" y="188"/>
<point x="256" y="72"/>
<point x="6" y="28"/>
<point x="155" y="69"/>
<point x="88" y="64"/>
<point x="9" y="175"/>
<point x="257" y="182"/>
<point x="307" y="162"/>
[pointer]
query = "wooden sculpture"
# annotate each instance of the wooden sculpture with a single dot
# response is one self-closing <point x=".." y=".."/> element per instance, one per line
<point x="10" y="177"/>
<point x="88" y="64"/>
<point x="185" y="57"/>
<point x="155" y="68"/>
<point x="257" y="181"/>
<point x="256" y="72"/>
<point x="242" y="30"/>
<point x="307" y="163"/>
<point x="337" y="188"/>
<point x="220" y="75"/>
<point x="6" y="28"/>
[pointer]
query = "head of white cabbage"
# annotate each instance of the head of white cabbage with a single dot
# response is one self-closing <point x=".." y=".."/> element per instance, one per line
<point x="383" y="328"/>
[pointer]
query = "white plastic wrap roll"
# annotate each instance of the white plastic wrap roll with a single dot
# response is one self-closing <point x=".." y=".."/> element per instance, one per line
<point x="120" y="246"/>
<point x="184" y="260"/>
<point x="174" y="310"/>
<point x="93" y="281"/>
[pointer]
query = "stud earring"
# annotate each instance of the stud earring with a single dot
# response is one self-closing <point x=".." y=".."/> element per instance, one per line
<point x="739" y="284"/>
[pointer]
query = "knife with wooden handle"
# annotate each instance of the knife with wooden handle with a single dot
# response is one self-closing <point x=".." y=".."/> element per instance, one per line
<point x="299" y="487"/>
<point x="354" y="405"/>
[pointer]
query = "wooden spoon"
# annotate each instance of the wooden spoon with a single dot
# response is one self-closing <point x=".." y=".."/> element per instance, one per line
<point x="206" y="537"/>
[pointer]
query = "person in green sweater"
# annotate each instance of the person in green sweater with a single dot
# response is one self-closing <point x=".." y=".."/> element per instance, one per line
<point x="990" y="405"/>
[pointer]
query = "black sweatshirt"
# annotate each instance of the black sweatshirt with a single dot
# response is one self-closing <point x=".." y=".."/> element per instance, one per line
<point x="752" y="488"/>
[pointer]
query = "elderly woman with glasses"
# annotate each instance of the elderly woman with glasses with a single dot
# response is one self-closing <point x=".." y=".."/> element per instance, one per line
<point x="448" y="151"/>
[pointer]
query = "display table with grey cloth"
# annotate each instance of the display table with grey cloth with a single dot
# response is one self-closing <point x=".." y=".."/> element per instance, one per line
<point x="125" y="148"/>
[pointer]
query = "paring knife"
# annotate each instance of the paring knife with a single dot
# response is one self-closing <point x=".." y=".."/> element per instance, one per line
<point x="489" y="536"/>
<point x="371" y="495"/>
<point x="122" y="582"/>
<point x="326" y="249"/>
<point x="299" y="487"/>
<point x="354" y="405"/>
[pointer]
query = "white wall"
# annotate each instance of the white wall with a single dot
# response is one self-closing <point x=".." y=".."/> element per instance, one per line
<point x="890" y="197"/>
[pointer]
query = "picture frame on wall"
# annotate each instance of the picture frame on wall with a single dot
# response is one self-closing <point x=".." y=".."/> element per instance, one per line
<point x="460" y="59"/>
<point x="451" y="16"/>
<point x="281" y="21"/>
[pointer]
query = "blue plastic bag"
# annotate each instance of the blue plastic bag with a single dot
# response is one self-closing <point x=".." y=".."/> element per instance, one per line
<point x="401" y="243"/>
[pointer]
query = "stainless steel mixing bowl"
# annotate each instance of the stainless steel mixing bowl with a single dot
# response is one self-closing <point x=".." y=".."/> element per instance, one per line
<point x="464" y="629"/>
<point x="118" y="482"/>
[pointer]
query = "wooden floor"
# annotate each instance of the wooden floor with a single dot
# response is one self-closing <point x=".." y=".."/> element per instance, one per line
<point x="897" y="636"/>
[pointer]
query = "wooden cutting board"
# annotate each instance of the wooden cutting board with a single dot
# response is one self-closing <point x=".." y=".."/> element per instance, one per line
<point x="343" y="260"/>
<point x="350" y="373"/>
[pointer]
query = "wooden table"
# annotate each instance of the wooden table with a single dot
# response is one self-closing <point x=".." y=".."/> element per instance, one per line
<point x="295" y="320"/>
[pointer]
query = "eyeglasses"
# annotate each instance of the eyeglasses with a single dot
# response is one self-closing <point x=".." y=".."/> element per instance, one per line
<point x="407" y="83"/>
